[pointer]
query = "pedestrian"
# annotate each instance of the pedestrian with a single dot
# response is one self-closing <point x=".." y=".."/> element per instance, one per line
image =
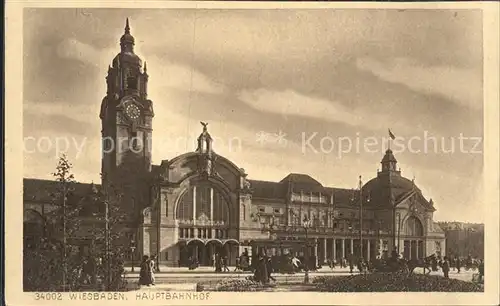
<point x="434" y="264"/>
<point x="224" y="264"/>
<point x="152" y="269"/>
<point x="237" y="267"/>
<point x="351" y="263"/>
<point x="446" y="267"/>
<point x="218" y="263"/>
<point x="481" y="270"/>
<point x="144" y="271"/>
<point x="261" y="269"/>
<point x="457" y="264"/>
<point x="295" y="263"/>
<point x="269" y="268"/>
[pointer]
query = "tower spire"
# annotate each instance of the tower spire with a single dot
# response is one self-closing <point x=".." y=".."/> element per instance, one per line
<point x="127" y="41"/>
<point x="127" y="27"/>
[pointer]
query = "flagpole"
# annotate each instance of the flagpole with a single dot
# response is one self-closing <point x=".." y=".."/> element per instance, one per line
<point x="360" y="219"/>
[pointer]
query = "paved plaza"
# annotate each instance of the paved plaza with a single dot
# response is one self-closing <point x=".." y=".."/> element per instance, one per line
<point x="182" y="279"/>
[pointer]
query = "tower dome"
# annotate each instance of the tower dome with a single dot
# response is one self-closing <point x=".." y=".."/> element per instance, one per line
<point x="127" y="39"/>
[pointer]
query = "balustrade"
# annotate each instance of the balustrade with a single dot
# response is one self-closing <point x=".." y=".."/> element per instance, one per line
<point x="203" y="233"/>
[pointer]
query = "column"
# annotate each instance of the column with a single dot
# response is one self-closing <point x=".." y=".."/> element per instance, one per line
<point x="334" y="249"/>
<point x="211" y="204"/>
<point x="416" y="248"/>
<point x="210" y="252"/>
<point x="316" y="245"/>
<point x="325" y="257"/>
<point x="368" y="250"/>
<point x="352" y="246"/>
<point x="343" y="248"/>
<point x="409" y="249"/>
<point x="212" y="212"/>
<point x="203" y="260"/>
<point x="194" y="206"/>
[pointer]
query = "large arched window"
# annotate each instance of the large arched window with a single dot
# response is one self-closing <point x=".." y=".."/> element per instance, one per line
<point x="414" y="227"/>
<point x="203" y="203"/>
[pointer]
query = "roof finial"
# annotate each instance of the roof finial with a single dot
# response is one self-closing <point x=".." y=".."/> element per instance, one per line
<point x="127" y="27"/>
<point x="204" y="124"/>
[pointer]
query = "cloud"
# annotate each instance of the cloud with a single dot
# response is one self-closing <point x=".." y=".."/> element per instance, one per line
<point x="85" y="113"/>
<point x="167" y="73"/>
<point x="303" y="69"/>
<point x="291" y="103"/>
<point x="182" y="77"/>
<point x="464" y="86"/>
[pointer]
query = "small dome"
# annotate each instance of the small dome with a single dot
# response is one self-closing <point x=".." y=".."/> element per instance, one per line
<point x="127" y="38"/>
<point x="388" y="157"/>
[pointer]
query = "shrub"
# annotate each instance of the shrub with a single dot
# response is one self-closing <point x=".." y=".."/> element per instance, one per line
<point x="231" y="284"/>
<point x="393" y="282"/>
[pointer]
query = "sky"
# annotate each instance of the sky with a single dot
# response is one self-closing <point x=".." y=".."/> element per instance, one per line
<point x="302" y="91"/>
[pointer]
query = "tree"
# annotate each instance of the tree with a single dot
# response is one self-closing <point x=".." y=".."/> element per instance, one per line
<point x="112" y="221"/>
<point x="50" y="265"/>
<point x="67" y="219"/>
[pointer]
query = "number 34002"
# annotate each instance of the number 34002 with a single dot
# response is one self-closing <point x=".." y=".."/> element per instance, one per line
<point x="49" y="296"/>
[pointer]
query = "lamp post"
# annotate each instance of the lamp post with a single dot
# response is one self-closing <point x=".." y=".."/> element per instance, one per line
<point x="353" y="199"/>
<point x="351" y="232"/>
<point x="132" y="253"/>
<point x="306" y="223"/>
<point x="399" y="227"/>
<point x="360" y="218"/>
<point x="379" y="252"/>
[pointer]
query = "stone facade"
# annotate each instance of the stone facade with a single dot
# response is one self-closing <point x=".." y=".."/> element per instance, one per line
<point x="200" y="202"/>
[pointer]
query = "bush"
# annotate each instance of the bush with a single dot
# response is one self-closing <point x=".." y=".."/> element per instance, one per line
<point x="392" y="282"/>
<point x="43" y="270"/>
<point x="231" y="284"/>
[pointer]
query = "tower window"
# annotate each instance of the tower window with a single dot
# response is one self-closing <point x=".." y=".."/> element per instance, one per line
<point x="132" y="83"/>
<point x="135" y="141"/>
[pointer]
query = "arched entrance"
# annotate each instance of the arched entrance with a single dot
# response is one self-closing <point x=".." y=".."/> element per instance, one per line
<point x="231" y="248"/>
<point x="213" y="246"/>
<point x="204" y="226"/>
<point x="414" y="244"/>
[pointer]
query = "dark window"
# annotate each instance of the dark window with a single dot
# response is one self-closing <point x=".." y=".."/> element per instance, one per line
<point x="132" y="83"/>
<point x="261" y="209"/>
<point x="277" y="210"/>
<point x="135" y="141"/>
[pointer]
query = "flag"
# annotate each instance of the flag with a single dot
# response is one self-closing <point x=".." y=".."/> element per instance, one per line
<point x="391" y="135"/>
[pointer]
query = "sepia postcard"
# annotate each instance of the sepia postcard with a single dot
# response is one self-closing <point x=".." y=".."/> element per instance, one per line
<point x="226" y="153"/>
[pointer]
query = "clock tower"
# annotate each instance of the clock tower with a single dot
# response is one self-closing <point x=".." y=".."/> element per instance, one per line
<point x="126" y="115"/>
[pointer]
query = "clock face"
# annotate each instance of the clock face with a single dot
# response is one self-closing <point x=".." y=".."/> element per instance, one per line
<point x="132" y="111"/>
